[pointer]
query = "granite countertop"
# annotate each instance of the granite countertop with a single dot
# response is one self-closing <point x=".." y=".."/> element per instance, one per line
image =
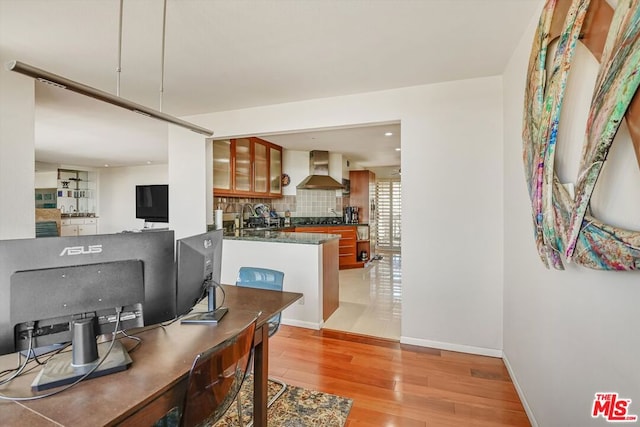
<point x="280" y="236"/>
<point x="342" y="224"/>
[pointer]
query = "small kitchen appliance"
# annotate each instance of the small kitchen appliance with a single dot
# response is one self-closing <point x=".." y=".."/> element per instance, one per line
<point x="351" y="214"/>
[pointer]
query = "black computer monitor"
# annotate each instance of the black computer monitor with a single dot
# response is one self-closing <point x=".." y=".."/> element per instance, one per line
<point x="152" y="203"/>
<point x="198" y="268"/>
<point x="60" y="289"/>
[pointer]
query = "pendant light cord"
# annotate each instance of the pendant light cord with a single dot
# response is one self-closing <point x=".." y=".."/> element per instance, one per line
<point x="119" y="68"/>
<point x="164" y="27"/>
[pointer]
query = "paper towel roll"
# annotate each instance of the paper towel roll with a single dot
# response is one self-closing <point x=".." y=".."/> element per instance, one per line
<point x="218" y="219"/>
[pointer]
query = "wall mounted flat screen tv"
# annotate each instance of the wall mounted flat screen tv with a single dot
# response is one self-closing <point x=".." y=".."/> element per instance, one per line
<point x="152" y="203"/>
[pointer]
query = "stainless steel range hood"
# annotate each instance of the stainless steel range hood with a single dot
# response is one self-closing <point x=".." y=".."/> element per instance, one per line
<point x="319" y="178"/>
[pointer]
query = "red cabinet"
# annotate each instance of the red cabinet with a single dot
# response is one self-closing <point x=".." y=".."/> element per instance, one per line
<point x="247" y="167"/>
<point x="347" y="247"/>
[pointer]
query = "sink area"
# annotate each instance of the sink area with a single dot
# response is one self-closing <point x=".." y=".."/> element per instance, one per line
<point x="78" y="215"/>
<point x="256" y="231"/>
<point x="278" y="235"/>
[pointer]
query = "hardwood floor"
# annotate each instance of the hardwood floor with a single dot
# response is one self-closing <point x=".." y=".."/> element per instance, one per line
<point x="397" y="385"/>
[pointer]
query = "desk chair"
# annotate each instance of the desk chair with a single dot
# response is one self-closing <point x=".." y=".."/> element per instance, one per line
<point x="214" y="381"/>
<point x="264" y="278"/>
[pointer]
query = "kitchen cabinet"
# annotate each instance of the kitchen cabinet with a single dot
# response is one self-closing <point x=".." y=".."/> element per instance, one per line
<point x="363" y="246"/>
<point x="222" y="165"/>
<point x="247" y="167"/>
<point x="363" y="195"/>
<point x="79" y="226"/>
<point x="261" y="167"/>
<point x="347" y="246"/>
<point x="275" y="170"/>
<point x="241" y="165"/>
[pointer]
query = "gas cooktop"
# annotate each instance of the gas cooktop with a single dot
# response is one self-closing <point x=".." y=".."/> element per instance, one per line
<point x="320" y="221"/>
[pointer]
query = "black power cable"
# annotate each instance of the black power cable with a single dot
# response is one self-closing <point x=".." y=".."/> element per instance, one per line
<point x="92" y="370"/>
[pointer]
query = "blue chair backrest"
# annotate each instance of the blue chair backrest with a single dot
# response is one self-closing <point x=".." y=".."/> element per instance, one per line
<point x="263" y="278"/>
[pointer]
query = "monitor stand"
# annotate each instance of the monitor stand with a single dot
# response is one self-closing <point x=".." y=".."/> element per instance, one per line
<point x="68" y="367"/>
<point x="213" y="315"/>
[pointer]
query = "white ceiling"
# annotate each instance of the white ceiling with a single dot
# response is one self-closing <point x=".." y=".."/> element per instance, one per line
<point x="229" y="54"/>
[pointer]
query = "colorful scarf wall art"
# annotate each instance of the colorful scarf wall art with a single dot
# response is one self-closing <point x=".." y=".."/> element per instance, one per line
<point x="564" y="229"/>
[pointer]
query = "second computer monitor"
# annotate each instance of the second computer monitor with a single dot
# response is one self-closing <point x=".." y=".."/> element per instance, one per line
<point x="198" y="267"/>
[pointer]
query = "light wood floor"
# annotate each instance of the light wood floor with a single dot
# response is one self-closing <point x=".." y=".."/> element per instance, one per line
<point x="371" y="299"/>
<point x="397" y="385"/>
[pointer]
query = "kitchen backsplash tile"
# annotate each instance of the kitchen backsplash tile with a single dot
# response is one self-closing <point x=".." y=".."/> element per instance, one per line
<point x="305" y="203"/>
<point x="316" y="202"/>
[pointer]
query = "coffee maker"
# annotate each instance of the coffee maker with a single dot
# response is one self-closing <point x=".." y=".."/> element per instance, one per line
<point x="351" y="214"/>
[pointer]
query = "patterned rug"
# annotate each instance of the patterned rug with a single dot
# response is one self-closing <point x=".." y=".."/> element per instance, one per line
<point x="297" y="407"/>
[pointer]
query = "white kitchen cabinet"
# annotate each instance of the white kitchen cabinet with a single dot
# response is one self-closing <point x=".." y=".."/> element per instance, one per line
<point x="79" y="226"/>
<point x="89" y="227"/>
<point x="69" y="230"/>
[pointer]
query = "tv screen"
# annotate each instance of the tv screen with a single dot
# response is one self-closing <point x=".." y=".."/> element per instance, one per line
<point x="152" y="203"/>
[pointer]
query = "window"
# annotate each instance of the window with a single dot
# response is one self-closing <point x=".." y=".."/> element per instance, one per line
<point x="388" y="213"/>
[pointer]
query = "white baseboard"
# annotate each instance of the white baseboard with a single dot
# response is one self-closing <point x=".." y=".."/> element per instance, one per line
<point x="492" y="352"/>
<point x="523" y="399"/>
<point x="301" y="324"/>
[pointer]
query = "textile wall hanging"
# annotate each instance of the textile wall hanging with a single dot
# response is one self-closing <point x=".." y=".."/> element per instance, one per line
<point x="563" y="225"/>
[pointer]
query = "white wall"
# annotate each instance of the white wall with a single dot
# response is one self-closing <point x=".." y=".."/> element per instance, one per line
<point x="47" y="179"/>
<point x="296" y="165"/>
<point x="117" y="195"/>
<point x="452" y="199"/>
<point x="17" y="176"/>
<point x="567" y="334"/>
<point x="189" y="197"/>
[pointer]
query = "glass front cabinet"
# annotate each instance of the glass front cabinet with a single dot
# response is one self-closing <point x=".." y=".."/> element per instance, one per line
<point x="247" y="167"/>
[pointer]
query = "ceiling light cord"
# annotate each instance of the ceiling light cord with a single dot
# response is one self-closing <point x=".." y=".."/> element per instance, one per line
<point x="119" y="67"/>
<point x="64" y="83"/>
<point x="164" y="29"/>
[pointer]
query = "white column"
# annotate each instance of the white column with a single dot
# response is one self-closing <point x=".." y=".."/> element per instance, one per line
<point x="17" y="177"/>
<point x="187" y="182"/>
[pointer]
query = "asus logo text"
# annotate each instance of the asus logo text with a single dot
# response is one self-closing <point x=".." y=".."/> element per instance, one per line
<point x="81" y="250"/>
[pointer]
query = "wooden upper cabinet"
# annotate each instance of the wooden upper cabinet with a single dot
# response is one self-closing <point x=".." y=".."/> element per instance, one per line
<point x="222" y="164"/>
<point x="260" y="167"/>
<point x="242" y="165"/>
<point x="247" y="167"/>
<point x="275" y="168"/>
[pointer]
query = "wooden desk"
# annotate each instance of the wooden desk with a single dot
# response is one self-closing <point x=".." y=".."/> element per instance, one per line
<point x="156" y="380"/>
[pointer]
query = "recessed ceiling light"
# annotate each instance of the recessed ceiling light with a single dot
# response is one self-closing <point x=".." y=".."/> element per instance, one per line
<point x="148" y="162"/>
<point x="398" y="149"/>
<point x="106" y="166"/>
<point x="388" y="133"/>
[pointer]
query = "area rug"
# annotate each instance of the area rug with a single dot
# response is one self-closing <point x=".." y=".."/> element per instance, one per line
<point x="297" y="407"/>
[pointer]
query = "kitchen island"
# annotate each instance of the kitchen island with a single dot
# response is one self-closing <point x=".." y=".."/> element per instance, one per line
<point x="309" y="262"/>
